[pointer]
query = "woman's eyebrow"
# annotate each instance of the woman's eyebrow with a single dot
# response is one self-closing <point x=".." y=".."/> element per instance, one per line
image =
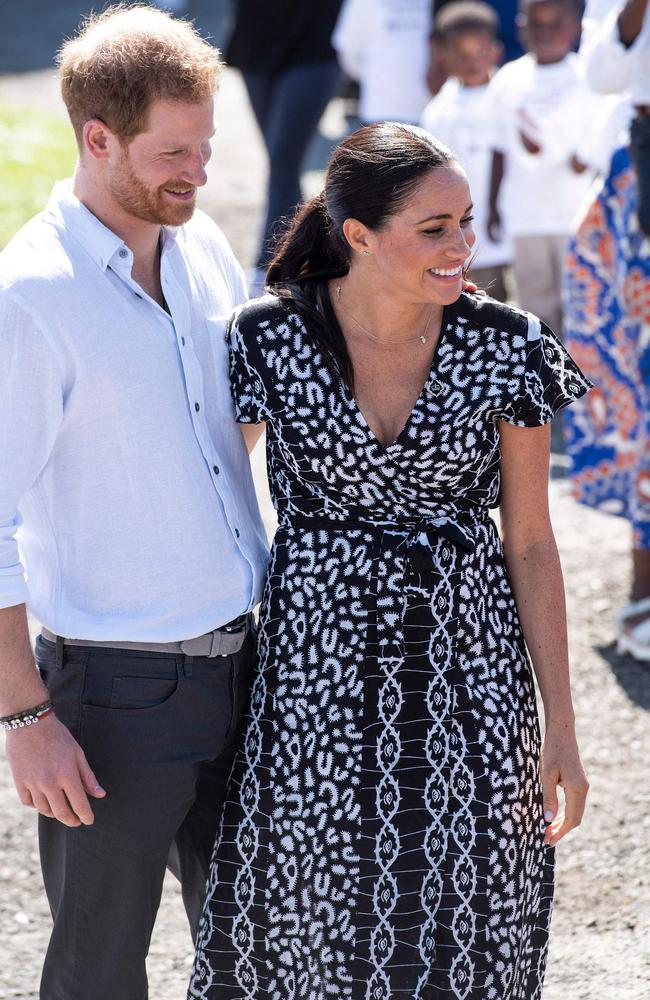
<point x="430" y="218"/>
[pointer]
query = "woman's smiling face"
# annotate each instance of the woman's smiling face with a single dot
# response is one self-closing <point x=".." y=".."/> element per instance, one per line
<point x="422" y="249"/>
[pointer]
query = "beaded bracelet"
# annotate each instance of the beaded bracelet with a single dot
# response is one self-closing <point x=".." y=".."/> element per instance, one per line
<point x="28" y="717"/>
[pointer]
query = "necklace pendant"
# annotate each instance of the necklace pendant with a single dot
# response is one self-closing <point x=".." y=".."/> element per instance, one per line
<point x="423" y="339"/>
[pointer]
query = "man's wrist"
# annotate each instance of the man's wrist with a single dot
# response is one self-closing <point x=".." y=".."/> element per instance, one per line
<point x="27" y="716"/>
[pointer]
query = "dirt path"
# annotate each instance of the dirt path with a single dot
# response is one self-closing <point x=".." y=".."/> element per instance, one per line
<point x="601" y="931"/>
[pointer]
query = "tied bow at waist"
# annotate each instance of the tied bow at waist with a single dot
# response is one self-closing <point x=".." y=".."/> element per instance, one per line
<point x="420" y="536"/>
<point x="423" y="546"/>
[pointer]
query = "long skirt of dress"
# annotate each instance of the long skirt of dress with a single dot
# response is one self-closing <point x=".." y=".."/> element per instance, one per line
<point x="383" y="834"/>
<point x="383" y="837"/>
<point x="607" y="329"/>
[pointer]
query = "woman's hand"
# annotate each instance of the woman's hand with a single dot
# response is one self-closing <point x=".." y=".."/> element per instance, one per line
<point x="561" y="765"/>
<point x="469" y="286"/>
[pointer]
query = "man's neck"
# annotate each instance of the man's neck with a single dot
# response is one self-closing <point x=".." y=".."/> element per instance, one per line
<point x="474" y="86"/>
<point x="551" y="62"/>
<point x="142" y="238"/>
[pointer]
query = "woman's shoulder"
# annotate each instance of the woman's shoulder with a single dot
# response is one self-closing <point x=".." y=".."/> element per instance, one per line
<point x="265" y="311"/>
<point x="489" y="313"/>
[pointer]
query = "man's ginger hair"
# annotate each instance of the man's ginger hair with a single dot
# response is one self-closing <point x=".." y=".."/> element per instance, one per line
<point x="128" y="56"/>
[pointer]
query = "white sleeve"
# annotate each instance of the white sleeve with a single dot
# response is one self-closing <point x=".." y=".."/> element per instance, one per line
<point x="610" y="66"/>
<point x="350" y="37"/>
<point x="31" y="411"/>
<point x="431" y="117"/>
<point x="499" y="113"/>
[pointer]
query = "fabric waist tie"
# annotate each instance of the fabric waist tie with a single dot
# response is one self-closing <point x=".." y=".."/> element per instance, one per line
<point x="421" y="534"/>
<point x="224" y="641"/>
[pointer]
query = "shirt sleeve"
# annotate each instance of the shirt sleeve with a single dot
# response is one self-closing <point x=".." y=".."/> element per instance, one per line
<point x="238" y="284"/>
<point x="31" y="411"/>
<point x="551" y="379"/>
<point x="350" y="37"/>
<point x="248" y="390"/>
<point x="610" y="66"/>
<point x="498" y="123"/>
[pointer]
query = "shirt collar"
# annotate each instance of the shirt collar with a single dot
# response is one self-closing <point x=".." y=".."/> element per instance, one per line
<point x="100" y="242"/>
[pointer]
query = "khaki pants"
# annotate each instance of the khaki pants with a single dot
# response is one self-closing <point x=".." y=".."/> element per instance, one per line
<point x="539" y="268"/>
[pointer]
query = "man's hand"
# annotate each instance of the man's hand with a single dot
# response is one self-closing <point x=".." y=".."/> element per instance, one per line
<point x="51" y="772"/>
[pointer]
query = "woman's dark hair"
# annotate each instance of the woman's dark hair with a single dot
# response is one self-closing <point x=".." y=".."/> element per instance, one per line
<point x="369" y="177"/>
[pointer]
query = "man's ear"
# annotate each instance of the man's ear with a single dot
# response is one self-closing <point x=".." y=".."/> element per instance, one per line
<point x="97" y="139"/>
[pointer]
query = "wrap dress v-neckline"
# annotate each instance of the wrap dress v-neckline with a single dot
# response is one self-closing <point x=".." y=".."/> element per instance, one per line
<point x="404" y="429"/>
<point x="383" y="835"/>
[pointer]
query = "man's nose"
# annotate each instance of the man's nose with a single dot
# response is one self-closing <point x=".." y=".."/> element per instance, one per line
<point x="195" y="172"/>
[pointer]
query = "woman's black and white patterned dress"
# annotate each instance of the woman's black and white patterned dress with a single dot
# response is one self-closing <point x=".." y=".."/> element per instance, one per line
<point x="384" y="832"/>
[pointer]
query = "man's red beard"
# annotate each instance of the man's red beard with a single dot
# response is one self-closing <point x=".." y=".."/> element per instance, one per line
<point x="149" y="204"/>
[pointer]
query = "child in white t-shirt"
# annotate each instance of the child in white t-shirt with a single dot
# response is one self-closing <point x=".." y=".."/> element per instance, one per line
<point x="384" y="44"/>
<point x="542" y="113"/>
<point x="460" y="115"/>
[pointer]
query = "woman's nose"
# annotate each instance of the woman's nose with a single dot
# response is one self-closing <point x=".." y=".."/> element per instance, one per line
<point x="462" y="244"/>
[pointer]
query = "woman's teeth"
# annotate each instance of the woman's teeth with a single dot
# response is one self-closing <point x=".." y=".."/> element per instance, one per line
<point x="446" y="274"/>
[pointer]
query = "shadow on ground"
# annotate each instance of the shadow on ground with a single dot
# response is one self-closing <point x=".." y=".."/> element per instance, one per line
<point x="633" y="677"/>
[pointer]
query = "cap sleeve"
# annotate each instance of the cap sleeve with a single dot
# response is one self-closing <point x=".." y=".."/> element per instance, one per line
<point x="247" y="386"/>
<point x="551" y="379"/>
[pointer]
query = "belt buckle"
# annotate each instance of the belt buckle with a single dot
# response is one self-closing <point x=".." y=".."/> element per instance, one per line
<point x="230" y="639"/>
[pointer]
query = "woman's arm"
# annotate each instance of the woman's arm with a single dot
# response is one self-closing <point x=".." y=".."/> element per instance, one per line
<point x="536" y="578"/>
<point x="251" y="434"/>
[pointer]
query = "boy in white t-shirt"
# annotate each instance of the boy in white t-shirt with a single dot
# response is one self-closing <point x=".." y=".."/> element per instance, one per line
<point x="460" y="116"/>
<point x="542" y="113"/>
<point x="384" y="44"/>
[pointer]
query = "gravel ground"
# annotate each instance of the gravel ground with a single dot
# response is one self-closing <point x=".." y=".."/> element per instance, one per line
<point x="601" y="930"/>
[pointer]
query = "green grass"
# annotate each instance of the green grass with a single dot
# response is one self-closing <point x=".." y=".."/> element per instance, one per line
<point x="36" y="149"/>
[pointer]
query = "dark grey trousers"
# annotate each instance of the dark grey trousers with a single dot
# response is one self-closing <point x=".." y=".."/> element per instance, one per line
<point x="159" y="731"/>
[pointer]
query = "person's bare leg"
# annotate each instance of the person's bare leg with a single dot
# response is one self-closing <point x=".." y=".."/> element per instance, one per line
<point x="640" y="574"/>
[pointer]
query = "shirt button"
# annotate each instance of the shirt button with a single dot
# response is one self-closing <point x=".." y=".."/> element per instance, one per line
<point x="237" y="532"/>
<point x="197" y="407"/>
<point x="123" y="253"/>
<point x="215" y="469"/>
<point x="183" y="341"/>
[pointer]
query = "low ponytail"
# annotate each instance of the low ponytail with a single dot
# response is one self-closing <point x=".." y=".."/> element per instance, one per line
<point x="307" y="256"/>
<point x="370" y="177"/>
<point x="309" y="248"/>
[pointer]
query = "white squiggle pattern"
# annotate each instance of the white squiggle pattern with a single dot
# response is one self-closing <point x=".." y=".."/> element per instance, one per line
<point x="383" y="836"/>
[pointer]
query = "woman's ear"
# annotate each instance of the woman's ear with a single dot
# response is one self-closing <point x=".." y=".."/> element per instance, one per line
<point x="358" y="236"/>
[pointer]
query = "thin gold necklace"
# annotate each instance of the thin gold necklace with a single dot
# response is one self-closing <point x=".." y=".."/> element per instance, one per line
<point x="422" y="337"/>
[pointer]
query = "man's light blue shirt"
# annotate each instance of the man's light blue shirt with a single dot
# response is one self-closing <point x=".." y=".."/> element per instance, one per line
<point x="127" y="507"/>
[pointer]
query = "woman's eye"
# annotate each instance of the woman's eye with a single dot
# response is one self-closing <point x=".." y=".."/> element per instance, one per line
<point x="467" y="221"/>
<point x="434" y="232"/>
